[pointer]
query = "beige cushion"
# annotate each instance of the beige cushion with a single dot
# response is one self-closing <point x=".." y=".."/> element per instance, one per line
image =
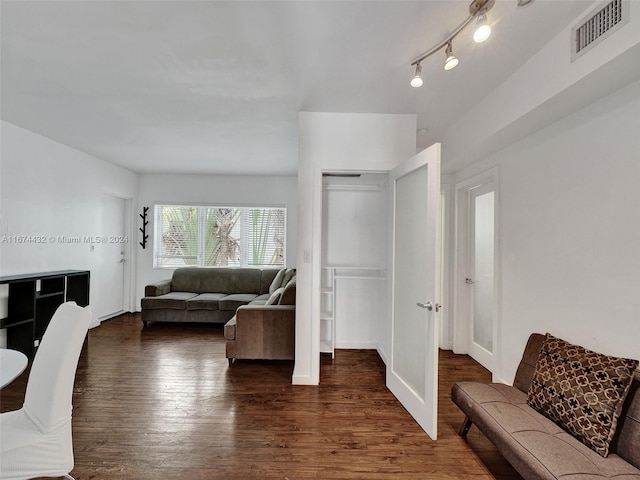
<point x="288" y="275"/>
<point x="277" y="280"/>
<point x="581" y="390"/>
<point x="275" y="297"/>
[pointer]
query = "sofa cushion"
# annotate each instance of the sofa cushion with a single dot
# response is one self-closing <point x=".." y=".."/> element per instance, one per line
<point x="233" y="280"/>
<point x="172" y="300"/>
<point x="230" y="329"/>
<point x="274" y="298"/>
<point x="626" y="443"/>
<point x="260" y="299"/>
<point x="216" y="279"/>
<point x="235" y="300"/>
<point x="288" y="296"/>
<point x="186" y="279"/>
<point x="581" y="390"/>
<point x="288" y="275"/>
<point x="205" y="301"/>
<point x="277" y="280"/>
<point x="527" y="365"/>
<point x="266" y="278"/>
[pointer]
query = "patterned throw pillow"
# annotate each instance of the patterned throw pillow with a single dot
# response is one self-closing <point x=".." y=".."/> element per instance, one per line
<point x="580" y="390"/>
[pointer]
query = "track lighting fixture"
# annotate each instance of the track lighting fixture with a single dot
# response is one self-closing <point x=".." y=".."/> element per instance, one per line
<point x="451" y="61"/>
<point x="477" y="10"/>
<point x="483" y="30"/>
<point x="416" y="81"/>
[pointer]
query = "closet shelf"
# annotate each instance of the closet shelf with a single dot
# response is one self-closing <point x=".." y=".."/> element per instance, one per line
<point x="47" y="295"/>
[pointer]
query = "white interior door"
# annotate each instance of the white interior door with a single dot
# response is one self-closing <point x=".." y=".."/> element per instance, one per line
<point x="412" y="373"/>
<point x="480" y="281"/>
<point x="111" y="251"/>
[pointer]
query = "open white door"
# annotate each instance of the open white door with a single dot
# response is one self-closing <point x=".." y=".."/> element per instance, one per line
<point x="412" y="373"/>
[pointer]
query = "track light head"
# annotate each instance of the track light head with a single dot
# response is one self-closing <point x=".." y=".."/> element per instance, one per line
<point x="477" y="11"/>
<point x="416" y="81"/>
<point x="483" y="30"/>
<point x="451" y="61"/>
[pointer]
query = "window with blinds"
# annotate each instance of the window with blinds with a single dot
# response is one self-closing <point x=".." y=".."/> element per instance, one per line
<point x="207" y="236"/>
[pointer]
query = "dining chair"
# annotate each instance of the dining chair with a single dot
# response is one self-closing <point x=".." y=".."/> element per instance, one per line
<point x="35" y="441"/>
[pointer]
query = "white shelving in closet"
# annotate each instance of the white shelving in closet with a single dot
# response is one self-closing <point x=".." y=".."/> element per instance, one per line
<point x="327" y="312"/>
<point x="354" y="235"/>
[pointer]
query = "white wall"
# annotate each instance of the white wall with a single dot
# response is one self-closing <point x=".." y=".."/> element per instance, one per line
<point x="334" y="142"/>
<point x="546" y="88"/>
<point x="212" y="190"/>
<point x="49" y="190"/>
<point x="564" y="144"/>
<point x="570" y="231"/>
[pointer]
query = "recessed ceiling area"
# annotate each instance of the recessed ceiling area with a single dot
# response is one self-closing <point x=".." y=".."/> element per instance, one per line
<point x="215" y="87"/>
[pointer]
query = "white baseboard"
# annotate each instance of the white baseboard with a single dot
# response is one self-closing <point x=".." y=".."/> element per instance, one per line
<point x="383" y="355"/>
<point x="357" y="345"/>
<point x="303" y="380"/>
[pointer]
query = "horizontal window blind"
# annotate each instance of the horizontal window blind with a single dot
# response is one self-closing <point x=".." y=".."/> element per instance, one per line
<point x="266" y="231"/>
<point x="209" y="236"/>
<point x="176" y="236"/>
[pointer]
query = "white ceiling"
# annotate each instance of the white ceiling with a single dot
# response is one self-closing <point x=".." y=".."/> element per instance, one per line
<point x="215" y="87"/>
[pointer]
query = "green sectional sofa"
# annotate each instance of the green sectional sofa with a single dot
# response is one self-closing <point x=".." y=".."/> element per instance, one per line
<point x="212" y="295"/>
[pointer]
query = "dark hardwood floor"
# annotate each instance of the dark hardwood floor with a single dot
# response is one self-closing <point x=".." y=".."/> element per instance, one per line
<point x="163" y="403"/>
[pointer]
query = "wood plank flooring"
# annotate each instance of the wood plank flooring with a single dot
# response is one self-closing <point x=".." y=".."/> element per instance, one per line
<point x="163" y="403"/>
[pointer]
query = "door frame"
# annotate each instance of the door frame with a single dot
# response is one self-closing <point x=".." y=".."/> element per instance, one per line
<point x="447" y="185"/>
<point x="130" y="251"/>
<point x="461" y="313"/>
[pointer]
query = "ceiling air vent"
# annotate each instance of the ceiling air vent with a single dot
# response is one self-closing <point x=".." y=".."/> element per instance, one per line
<point x="598" y="25"/>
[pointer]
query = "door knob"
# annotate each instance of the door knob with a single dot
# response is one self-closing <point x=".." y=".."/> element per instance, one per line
<point x="468" y="281"/>
<point x="429" y="306"/>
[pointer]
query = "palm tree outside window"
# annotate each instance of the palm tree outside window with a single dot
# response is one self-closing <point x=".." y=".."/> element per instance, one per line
<point x="209" y="236"/>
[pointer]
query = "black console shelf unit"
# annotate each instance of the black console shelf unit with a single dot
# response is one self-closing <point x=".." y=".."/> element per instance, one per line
<point x="33" y="299"/>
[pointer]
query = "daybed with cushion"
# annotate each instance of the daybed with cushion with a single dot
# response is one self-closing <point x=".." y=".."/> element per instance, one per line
<point x="572" y="414"/>
<point x="211" y="295"/>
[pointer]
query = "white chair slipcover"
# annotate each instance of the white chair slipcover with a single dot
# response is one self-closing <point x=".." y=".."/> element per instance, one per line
<point x="35" y="441"/>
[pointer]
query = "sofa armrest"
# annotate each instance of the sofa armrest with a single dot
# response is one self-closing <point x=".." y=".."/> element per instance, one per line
<point x="265" y="332"/>
<point x="255" y="310"/>
<point x="156" y="289"/>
